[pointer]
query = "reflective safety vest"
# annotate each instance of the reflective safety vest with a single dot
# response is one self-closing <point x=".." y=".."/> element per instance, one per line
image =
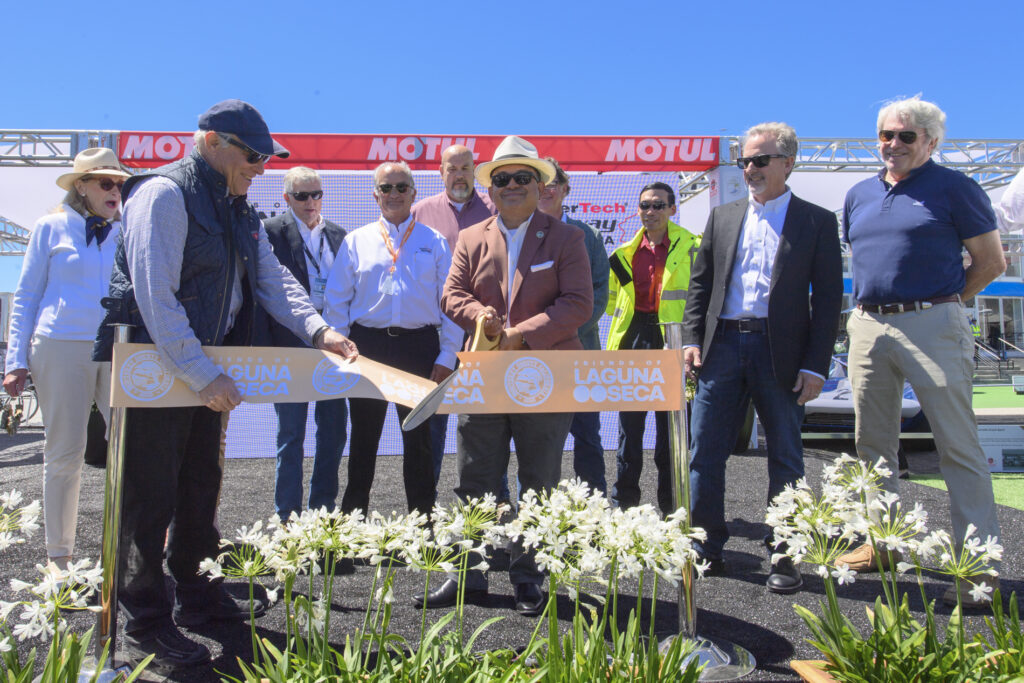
<point x="682" y="250"/>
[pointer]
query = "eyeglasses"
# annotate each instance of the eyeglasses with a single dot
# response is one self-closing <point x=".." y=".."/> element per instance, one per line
<point x="106" y="184"/>
<point x="303" y="196"/>
<point x="657" y="206"/>
<point x="522" y="178"/>
<point x="759" y="161"/>
<point x="385" y="188"/>
<point x="907" y="137"/>
<point x="253" y="157"/>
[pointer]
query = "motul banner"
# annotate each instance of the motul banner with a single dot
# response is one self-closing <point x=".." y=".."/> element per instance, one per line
<point x="423" y="152"/>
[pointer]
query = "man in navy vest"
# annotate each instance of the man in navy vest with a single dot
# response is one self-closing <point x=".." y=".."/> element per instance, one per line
<point x="192" y="261"/>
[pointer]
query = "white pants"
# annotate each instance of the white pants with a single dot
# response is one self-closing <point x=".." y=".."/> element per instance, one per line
<point x="67" y="381"/>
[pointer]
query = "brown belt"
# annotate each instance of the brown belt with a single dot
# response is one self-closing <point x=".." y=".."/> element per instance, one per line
<point x="907" y="306"/>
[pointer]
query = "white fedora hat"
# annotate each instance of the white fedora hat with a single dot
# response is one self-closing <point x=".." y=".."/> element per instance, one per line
<point x="93" y="161"/>
<point x="515" y="150"/>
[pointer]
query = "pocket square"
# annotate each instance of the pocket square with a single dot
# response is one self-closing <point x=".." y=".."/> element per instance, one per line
<point x="541" y="266"/>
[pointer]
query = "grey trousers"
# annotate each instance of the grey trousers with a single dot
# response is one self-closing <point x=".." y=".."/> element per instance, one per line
<point x="483" y="456"/>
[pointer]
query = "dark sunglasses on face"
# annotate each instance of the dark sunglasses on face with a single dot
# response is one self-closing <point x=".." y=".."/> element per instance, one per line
<point x="522" y="178"/>
<point x="106" y="184"/>
<point x="657" y="206"/>
<point x="253" y="157"/>
<point x="303" y="196"/>
<point x="760" y="161"/>
<point x="907" y="137"/>
<point x="385" y="188"/>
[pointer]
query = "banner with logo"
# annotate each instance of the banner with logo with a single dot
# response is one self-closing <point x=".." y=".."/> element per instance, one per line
<point x="487" y="382"/>
<point x="263" y="374"/>
<point x="423" y="152"/>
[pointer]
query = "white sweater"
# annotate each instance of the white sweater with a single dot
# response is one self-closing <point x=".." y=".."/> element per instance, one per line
<point x="61" y="284"/>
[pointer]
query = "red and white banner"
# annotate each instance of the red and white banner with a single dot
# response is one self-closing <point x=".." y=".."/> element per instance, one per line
<point x="423" y="152"/>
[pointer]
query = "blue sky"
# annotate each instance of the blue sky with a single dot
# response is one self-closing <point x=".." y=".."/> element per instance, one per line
<point x="675" y="67"/>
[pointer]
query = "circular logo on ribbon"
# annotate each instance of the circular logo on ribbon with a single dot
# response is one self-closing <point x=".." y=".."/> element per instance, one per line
<point x="144" y="378"/>
<point x="331" y="380"/>
<point x="529" y="382"/>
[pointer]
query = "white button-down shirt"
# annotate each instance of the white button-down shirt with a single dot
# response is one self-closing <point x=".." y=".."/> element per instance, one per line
<point x="357" y="291"/>
<point x="751" y="277"/>
<point x="317" y="246"/>
<point x="514" y="245"/>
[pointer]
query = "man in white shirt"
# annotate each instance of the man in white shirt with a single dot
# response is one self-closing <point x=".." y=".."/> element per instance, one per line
<point x="385" y="289"/>
<point x="305" y="244"/>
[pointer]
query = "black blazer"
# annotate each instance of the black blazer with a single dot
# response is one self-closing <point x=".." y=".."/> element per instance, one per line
<point x="286" y="242"/>
<point x="801" y="329"/>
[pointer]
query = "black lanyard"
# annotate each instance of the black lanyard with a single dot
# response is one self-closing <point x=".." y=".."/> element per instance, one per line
<point x="309" y="254"/>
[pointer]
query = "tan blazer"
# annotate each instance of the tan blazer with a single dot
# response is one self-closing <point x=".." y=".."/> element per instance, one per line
<point x="552" y="295"/>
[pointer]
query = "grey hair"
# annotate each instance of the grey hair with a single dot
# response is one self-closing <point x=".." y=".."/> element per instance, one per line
<point x="918" y="113"/>
<point x="199" y="137"/>
<point x="299" y="174"/>
<point x="400" y="165"/>
<point x="783" y="134"/>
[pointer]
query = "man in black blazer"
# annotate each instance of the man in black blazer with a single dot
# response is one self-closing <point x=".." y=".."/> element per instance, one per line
<point x="305" y="244"/>
<point x="761" y="318"/>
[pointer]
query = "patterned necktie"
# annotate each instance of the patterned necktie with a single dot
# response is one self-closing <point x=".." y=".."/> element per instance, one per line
<point x="96" y="227"/>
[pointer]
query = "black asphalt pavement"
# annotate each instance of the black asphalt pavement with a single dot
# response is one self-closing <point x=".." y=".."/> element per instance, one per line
<point x="736" y="607"/>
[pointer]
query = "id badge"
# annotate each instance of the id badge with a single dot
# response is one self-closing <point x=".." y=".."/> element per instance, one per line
<point x="317" y="293"/>
<point x="387" y="286"/>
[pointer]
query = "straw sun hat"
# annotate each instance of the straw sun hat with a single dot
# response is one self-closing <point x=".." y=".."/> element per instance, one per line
<point x="93" y="161"/>
<point x="515" y="150"/>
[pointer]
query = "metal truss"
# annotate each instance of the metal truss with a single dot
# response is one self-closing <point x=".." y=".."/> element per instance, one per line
<point x="13" y="238"/>
<point x="40" y="148"/>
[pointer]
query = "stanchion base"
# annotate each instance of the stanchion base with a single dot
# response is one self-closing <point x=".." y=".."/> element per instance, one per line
<point x="106" y="674"/>
<point x="722" y="660"/>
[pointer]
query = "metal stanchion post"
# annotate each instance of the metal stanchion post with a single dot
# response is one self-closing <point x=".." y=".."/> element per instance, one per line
<point x="106" y="621"/>
<point x="722" y="660"/>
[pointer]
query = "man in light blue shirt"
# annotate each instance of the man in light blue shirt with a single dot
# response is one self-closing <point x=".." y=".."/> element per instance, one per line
<point x="385" y="289"/>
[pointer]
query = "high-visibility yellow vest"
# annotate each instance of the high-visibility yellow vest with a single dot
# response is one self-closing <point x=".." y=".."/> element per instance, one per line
<point x="682" y="249"/>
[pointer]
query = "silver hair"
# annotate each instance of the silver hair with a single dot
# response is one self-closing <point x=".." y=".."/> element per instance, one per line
<point x="783" y="134"/>
<point x="918" y="113"/>
<point x="299" y="174"/>
<point x="400" y="165"/>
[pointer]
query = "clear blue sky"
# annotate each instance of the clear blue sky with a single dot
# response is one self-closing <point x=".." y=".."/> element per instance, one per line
<point x="673" y="67"/>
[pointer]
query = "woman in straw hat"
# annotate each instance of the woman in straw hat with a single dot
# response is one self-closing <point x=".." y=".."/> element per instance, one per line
<point x="54" y="318"/>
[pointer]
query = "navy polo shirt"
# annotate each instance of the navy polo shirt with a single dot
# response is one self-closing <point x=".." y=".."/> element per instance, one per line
<point x="906" y="238"/>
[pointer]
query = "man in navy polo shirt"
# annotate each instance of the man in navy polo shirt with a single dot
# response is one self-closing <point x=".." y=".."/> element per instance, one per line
<point x="906" y="229"/>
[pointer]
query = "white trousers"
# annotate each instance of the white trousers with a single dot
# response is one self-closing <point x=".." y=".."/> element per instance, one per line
<point x="67" y="381"/>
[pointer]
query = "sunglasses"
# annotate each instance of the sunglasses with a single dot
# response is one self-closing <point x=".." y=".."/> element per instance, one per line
<point x="303" y="196"/>
<point x="385" y="188"/>
<point x="522" y="178"/>
<point x="907" y="137"/>
<point x="657" y="206"/>
<point x="106" y="184"/>
<point x="253" y="157"/>
<point x="760" y="161"/>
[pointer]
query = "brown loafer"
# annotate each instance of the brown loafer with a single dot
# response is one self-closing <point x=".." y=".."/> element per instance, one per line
<point x="863" y="559"/>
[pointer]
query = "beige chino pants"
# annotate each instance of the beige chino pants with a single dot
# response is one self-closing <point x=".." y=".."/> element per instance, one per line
<point x="932" y="349"/>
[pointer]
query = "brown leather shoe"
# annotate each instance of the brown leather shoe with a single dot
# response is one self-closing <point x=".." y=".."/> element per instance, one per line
<point x="863" y="559"/>
<point x="966" y="599"/>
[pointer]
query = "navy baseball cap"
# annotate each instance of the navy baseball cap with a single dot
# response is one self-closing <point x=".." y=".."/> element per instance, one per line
<point x="243" y="121"/>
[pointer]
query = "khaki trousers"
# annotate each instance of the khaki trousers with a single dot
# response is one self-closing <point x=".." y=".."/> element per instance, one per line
<point x="933" y="350"/>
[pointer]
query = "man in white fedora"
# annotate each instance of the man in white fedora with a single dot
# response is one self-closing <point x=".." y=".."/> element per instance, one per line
<point x="527" y="275"/>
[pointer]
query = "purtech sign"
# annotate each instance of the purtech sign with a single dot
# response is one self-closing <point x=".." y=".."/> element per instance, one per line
<point x="423" y="152"/>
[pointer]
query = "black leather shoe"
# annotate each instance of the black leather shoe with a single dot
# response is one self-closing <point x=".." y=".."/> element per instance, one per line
<point x="529" y="599"/>
<point x="171" y="650"/>
<point x="784" y="577"/>
<point x="446" y="595"/>
<point x="218" y="606"/>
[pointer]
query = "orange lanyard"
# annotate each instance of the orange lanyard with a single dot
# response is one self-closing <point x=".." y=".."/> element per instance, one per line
<point x="385" y="233"/>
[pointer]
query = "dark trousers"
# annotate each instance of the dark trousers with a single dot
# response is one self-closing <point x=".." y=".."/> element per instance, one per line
<point x="414" y="352"/>
<point x="172" y="476"/>
<point x="643" y="333"/>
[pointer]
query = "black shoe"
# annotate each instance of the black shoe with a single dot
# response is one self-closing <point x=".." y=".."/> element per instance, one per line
<point x="716" y="566"/>
<point x="171" y="649"/>
<point x="219" y="606"/>
<point x="529" y="599"/>
<point x="784" y="577"/>
<point x="446" y="595"/>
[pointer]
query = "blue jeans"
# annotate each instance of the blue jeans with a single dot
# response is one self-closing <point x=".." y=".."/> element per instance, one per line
<point x="330" y="417"/>
<point x="738" y="368"/>
<point x="588" y="453"/>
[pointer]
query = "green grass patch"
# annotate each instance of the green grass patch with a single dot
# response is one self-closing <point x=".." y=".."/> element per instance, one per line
<point x="988" y="396"/>
<point x="1007" y="486"/>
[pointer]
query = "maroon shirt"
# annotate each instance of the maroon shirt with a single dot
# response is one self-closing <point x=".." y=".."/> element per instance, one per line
<point x="439" y="213"/>
<point x="648" y="269"/>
